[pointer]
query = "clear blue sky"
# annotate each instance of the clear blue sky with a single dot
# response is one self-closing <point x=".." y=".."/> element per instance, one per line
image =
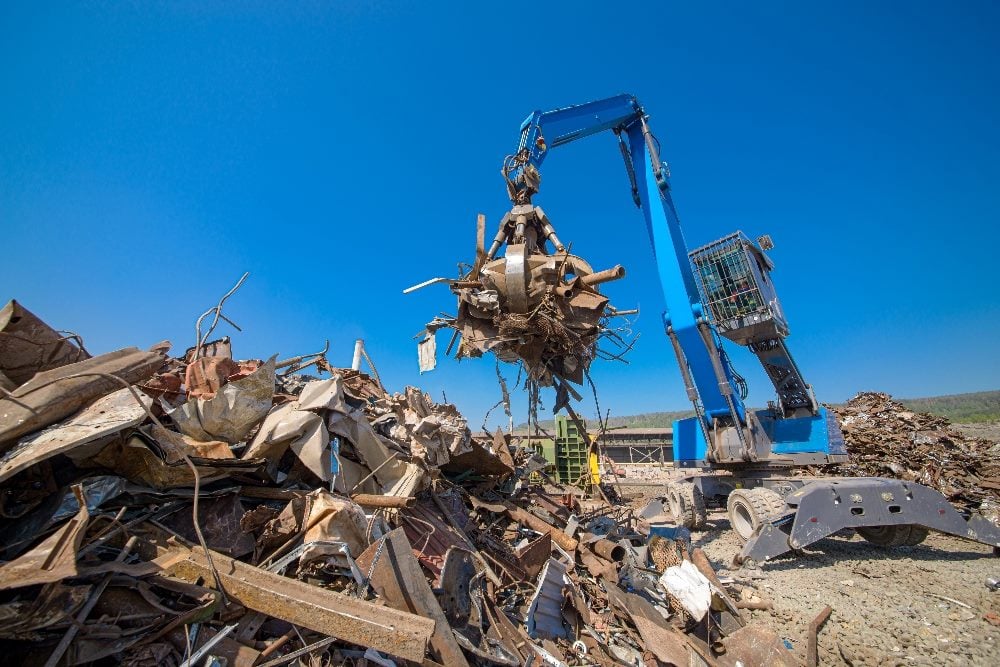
<point x="149" y="154"/>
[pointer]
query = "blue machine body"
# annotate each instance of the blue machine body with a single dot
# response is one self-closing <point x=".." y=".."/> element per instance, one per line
<point x="709" y="376"/>
<point x="817" y="434"/>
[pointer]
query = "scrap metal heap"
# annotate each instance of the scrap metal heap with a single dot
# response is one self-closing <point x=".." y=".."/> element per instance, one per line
<point x="538" y="304"/>
<point x="886" y="439"/>
<point x="204" y="510"/>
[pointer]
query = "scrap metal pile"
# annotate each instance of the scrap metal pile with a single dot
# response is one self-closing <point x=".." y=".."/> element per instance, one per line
<point x="205" y="510"/>
<point x="537" y="305"/>
<point x="886" y="439"/>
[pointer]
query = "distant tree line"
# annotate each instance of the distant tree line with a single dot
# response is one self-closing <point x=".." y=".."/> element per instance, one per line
<point x="975" y="407"/>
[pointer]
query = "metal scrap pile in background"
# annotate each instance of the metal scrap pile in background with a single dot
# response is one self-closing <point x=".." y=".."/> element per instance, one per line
<point x="886" y="439"/>
<point x="205" y="510"/>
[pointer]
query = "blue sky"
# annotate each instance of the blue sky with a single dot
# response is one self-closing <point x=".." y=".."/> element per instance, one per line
<point x="340" y="152"/>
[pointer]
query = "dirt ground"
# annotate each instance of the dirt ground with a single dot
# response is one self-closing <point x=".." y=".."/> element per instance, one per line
<point x="985" y="430"/>
<point x="888" y="604"/>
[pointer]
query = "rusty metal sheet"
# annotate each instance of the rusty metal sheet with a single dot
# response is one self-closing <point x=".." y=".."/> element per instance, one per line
<point x="144" y="460"/>
<point x="334" y="519"/>
<point x="533" y="556"/>
<point x="52" y="560"/>
<point x="206" y="375"/>
<point x="54" y="394"/>
<point x="55" y="603"/>
<point x="289" y="427"/>
<point x="105" y="416"/>
<point x="395" y="632"/>
<point x="399" y="580"/>
<point x="219" y="519"/>
<point x="28" y="345"/>
<point x="396" y="477"/>
<point x="479" y="460"/>
<point x="756" y="645"/>
<point x="430" y="535"/>
<point x="233" y="412"/>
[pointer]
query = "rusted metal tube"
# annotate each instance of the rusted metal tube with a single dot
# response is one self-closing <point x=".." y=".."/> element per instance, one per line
<point x="759" y="605"/>
<point x="542" y="526"/>
<point x="610" y="550"/>
<point x="371" y="500"/>
<point x="606" y="548"/>
<point x="277" y="643"/>
<point x="607" y="275"/>
<point x="812" y="641"/>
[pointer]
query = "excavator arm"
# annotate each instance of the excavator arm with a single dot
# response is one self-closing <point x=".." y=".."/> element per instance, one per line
<point x="708" y="376"/>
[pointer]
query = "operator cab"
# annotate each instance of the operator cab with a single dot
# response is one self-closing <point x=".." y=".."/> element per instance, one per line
<point x="733" y="280"/>
<point x="733" y="276"/>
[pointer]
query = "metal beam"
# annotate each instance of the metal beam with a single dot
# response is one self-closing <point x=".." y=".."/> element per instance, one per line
<point x="352" y="620"/>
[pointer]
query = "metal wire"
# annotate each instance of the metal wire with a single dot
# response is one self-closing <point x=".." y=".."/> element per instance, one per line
<point x="217" y="309"/>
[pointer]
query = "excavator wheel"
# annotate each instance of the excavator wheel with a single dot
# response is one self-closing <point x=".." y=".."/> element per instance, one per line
<point x="687" y="505"/>
<point x="894" y="536"/>
<point x="917" y="535"/>
<point x="748" y="508"/>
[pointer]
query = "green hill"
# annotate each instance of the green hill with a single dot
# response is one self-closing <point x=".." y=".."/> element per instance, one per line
<point x="975" y="407"/>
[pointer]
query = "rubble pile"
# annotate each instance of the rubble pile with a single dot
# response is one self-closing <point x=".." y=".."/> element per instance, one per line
<point x="884" y="439"/>
<point x="207" y="510"/>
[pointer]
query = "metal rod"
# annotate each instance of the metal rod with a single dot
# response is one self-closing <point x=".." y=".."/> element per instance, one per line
<point x="812" y="643"/>
<point x="426" y="283"/>
<point x="288" y="657"/>
<point x="209" y="645"/>
<point x="359" y="349"/>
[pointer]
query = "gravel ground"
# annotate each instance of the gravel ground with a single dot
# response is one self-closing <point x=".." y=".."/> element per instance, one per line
<point x="886" y="604"/>
<point x="984" y="430"/>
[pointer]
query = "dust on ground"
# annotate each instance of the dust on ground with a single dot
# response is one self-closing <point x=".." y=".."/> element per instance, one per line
<point x="982" y="430"/>
<point x="888" y="604"/>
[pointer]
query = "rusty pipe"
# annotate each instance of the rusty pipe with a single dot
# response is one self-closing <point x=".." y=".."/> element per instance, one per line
<point x="564" y="291"/>
<point x="371" y="500"/>
<point x="542" y="526"/>
<point x="812" y="640"/>
<point x="757" y="605"/>
<point x="605" y="276"/>
<point x="605" y="548"/>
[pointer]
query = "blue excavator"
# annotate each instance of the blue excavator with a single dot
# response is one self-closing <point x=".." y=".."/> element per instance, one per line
<point x="741" y="459"/>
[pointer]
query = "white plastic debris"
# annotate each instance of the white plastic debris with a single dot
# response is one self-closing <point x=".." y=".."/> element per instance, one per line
<point x="690" y="587"/>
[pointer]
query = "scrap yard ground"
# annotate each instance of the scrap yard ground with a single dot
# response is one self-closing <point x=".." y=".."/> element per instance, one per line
<point x="922" y="605"/>
<point x="889" y="607"/>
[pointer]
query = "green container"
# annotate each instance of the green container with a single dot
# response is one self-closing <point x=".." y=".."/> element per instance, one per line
<point x="571" y="454"/>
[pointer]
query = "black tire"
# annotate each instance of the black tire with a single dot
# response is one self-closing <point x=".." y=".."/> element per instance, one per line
<point x="917" y="535"/>
<point x="687" y="505"/>
<point x="893" y="536"/>
<point x="748" y="508"/>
